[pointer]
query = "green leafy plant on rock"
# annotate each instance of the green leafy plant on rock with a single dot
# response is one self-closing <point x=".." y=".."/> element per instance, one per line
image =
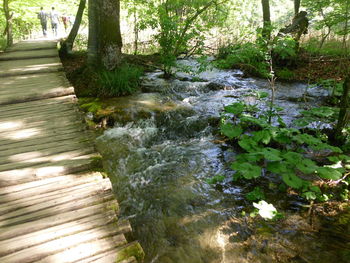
<point x="290" y="153"/>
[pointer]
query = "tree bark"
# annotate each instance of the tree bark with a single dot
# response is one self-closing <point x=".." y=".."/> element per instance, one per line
<point x="344" y="113"/>
<point x="110" y="42"/>
<point x="346" y="26"/>
<point x="67" y="45"/>
<point x="296" y="7"/>
<point x="92" y="56"/>
<point x="105" y="41"/>
<point x="266" y="19"/>
<point x="8" y="28"/>
<point x="136" y="32"/>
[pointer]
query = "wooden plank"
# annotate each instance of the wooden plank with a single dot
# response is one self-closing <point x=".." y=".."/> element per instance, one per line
<point x="18" y="191"/>
<point x="57" y="202"/>
<point x="43" y="212"/>
<point x="54" y="135"/>
<point x="17" y="201"/>
<point x="23" y="67"/>
<point x="73" y="151"/>
<point x="35" y="105"/>
<point x="17" y="176"/>
<point x="33" y="45"/>
<point x="54" y="220"/>
<point x="15" y="244"/>
<point x="29" y="54"/>
<point x="71" y="248"/>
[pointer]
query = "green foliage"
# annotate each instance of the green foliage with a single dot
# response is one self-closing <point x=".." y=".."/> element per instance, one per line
<point x="284" y="74"/>
<point x="332" y="47"/>
<point x="216" y="179"/>
<point x="285" y="47"/>
<point x="247" y="56"/>
<point x="25" y="21"/>
<point x="181" y="24"/>
<point x="2" y="43"/>
<point x="256" y="194"/>
<point x="124" y="80"/>
<point x="279" y="150"/>
<point x="90" y="105"/>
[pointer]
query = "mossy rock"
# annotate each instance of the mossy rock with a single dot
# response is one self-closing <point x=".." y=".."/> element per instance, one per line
<point x="132" y="250"/>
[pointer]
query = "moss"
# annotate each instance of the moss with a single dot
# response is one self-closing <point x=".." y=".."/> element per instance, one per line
<point x="96" y="161"/>
<point x="114" y="207"/>
<point x="90" y="105"/>
<point x="133" y="250"/>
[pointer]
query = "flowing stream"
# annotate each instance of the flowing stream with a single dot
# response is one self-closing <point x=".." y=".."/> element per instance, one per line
<point x="160" y="166"/>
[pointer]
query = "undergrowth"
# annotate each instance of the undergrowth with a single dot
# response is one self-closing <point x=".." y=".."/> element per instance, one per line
<point x="302" y="157"/>
<point x="122" y="81"/>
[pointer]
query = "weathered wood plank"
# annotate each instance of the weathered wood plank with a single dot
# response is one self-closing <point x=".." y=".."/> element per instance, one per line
<point x="100" y="191"/>
<point x="17" y="176"/>
<point x="72" y="248"/>
<point x="47" y="185"/>
<point x="54" y="220"/>
<point x="15" y="244"/>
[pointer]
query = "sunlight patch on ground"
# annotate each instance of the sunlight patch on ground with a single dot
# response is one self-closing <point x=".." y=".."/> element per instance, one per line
<point x="6" y="126"/>
<point x="22" y="134"/>
<point x="30" y="156"/>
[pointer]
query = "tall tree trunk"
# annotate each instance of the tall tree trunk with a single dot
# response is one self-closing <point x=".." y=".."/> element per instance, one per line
<point x="266" y="19"/>
<point x="324" y="37"/>
<point x="110" y="39"/>
<point x="344" y="113"/>
<point x="346" y="26"/>
<point x="136" y="32"/>
<point x="67" y="45"/>
<point x="92" y="57"/>
<point x="296" y="7"/>
<point x="8" y="28"/>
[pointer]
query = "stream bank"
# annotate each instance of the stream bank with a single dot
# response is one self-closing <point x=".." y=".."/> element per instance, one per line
<point x="161" y="152"/>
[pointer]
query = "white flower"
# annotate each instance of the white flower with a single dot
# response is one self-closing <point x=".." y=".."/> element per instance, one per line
<point x="266" y="211"/>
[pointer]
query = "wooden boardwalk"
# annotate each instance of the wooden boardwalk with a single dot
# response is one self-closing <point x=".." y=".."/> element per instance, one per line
<point x="52" y="207"/>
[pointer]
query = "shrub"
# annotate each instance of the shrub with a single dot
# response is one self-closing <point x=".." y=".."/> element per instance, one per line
<point x="122" y="81"/>
<point x="285" y="74"/>
<point x="247" y="56"/>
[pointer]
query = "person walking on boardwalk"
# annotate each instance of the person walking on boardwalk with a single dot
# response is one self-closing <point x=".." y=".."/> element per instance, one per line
<point x="43" y="20"/>
<point x="54" y="21"/>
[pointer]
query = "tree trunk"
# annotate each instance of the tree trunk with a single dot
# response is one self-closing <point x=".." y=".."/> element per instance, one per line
<point x="110" y="40"/>
<point x="92" y="57"/>
<point x="8" y="28"/>
<point x="344" y="114"/>
<point x="67" y="45"/>
<point x="324" y="37"/>
<point x="136" y="32"/>
<point x="346" y="26"/>
<point x="266" y="19"/>
<point x="296" y="7"/>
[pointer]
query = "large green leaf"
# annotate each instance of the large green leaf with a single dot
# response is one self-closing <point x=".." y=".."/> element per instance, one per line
<point x="306" y="166"/>
<point x="277" y="167"/>
<point x="293" y="157"/>
<point x="329" y="173"/>
<point x="293" y="181"/>
<point x="247" y="170"/>
<point x="248" y="144"/>
<point x="263" y="136"/>
<point x="271" y="154"/>
<point x="230" y="130"/>
<point x="235" y="108"/>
